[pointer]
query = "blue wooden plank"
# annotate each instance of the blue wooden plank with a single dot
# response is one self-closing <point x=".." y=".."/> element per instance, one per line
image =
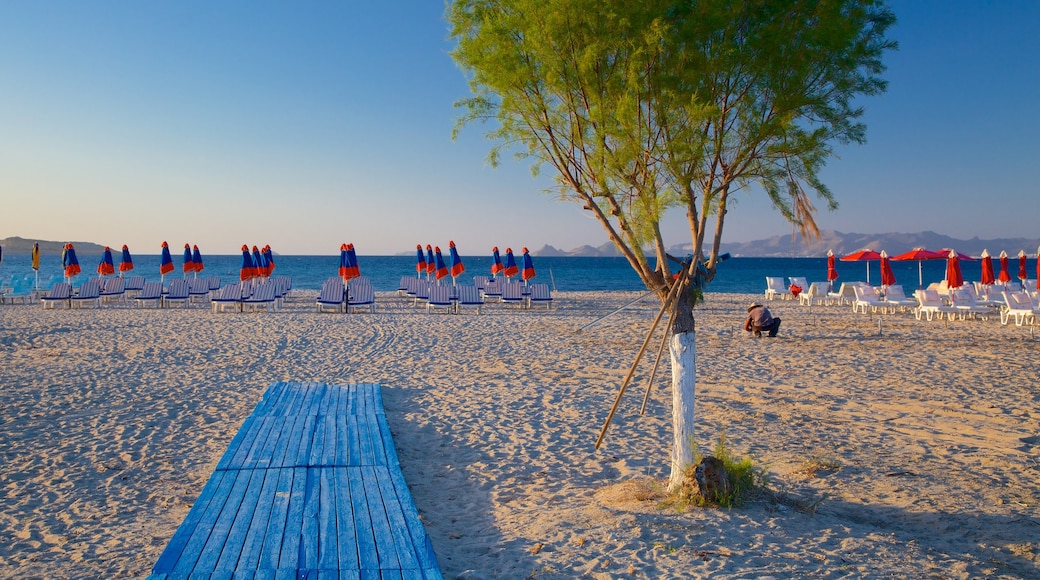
<point x="244" y="436"/>
<point x="290" y="556"/>
<point x="257" y="432"/>
<point x="328" y="537"/>
<point x="210" y="553"/>
<point x="370" y="426"/>
<point x="420" y="539"/>
<point x="272" y="547"/>
<point x="265" y="456"/>
<point x="317" y="448"/>
<point x="193" y="524"/>
<point x="271" y="398"/>
<point x="207" y="516"/>
<point x="388" y="444"/>
<point x="377" y="399"/>
<point x="309" y="530"/>
<point x="253" y="543"/>
<point x="368" y="451"/>
<point x="342" y="441"/>
<point x="396" y="519"/>
<point x="328" y="400"/>
<point x="299" y="450"/>
<point x="247" y="510"/>
<point x="347" y="545"/>
<point x="356" y="458"/>
<point x="385" y="546"/>
<point x="366" y="542"/>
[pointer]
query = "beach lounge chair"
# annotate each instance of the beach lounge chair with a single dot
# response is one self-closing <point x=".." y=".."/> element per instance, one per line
<point x="262" y="298"/>
<point x="361" y="296"/>
<point x="422" y="292"/>
<point x="402" y="286"/>
<point x="866" y="298"/>
<point x="113" y="290"/>
<point x="19" y="291"/>
<point x="540" y="295"/>
<point x="133" y="285"/>
<point x="230" y="295"/>
<point x="815" y="294"/>
<point x="198" y="290"/>
<point x="89" y="294"/>
<point x="493" y="291"/>
<point x="440" y="297"/>
<point x="846" y="294"/>
<point x="1019" y="306"/>
<point x="931" y="305"/>
<point x="775" y="288"/>
<point x="800" y="282"/>
<point x="332" y="295"/>
<point x="965" y="306"/>
<point x="468" y="297"/>
<point x="150" y="294"/>
<point x="480" y="282"/>
<point x="513" y="293"/>
<point x="897" y="299"/>
<point x="177" y="293"/>
<point x="59" y="295"/>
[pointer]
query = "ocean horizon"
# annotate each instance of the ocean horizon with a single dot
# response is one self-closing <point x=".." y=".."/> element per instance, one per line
<point x="744" y="275"/>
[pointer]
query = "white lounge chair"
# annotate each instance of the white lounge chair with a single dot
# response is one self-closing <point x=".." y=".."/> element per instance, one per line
<point x="866" y="298"/>
<point x="59" y="295"/>
<point x="775" y="288"/>
<point x="1019" y="306"/>
<point x="815" y="294"/>
<point x="930" y="305"/>
<point x="540" y="294"/>
<point x="964" y="304"/>
<point x="896" y="299"/>
<point x="150" y="294"/>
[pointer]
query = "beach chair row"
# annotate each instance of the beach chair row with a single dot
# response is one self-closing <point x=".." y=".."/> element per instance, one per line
<point x="346" y="296"/>
<point x="96" y="292"/>
<point x="252" y="295"/>
<point x="454" y="298"/>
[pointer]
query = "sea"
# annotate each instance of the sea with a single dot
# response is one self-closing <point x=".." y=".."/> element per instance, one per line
<point x="743" y="275"/>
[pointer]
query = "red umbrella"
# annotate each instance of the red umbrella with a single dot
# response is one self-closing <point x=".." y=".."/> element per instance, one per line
<point x="888" y="277"/>
<point x="1022" y="273"/>
<point x="987" y="277"/>
<point x="1004" y="277"/>
<point x="865" y="255"/>
<point x="954" y="279"/>
<point x="965" y="257"/>
<point x="919" y="255"/>
<point x="832" y="270"/>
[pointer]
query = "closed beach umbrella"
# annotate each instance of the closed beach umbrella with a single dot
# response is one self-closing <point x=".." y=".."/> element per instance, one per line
<point x="510" y="269"/>
<point x="919" y="255"/>
<point x="106" y="267"/>
<point x="69" y="261"/>
<point x="987" y="278"/>
<point x="353" y="270"/>
<point x="1005" y="273"/>
<point x="431" y="266"/>
<point x="1022" y="273"/>
<point x="188" y="262"/>
<point x="865" y="255"/>
<point x="36" y="263"/>
<point x="888" y="277"/>
<point x="442" y="270"/>
<point x="344" y="263"/>
<point x="196" y="258"/>
<point x="420" y="260"/>
<point x="248" y="271"/>
<point x="456" y="262"/>
<point x="259" y="267"/>
<point x="126" y="263"/>
<point x="268" y="259"/>
<point x="527" y="272"/>
<point x="165" y="262"/>
<point x="832" y="270"/>
<point x="496" y="262"/>
<point x="954" y="279"/>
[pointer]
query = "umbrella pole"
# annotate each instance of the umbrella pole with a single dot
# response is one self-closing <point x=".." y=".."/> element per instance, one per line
<point x="553" y="280"/>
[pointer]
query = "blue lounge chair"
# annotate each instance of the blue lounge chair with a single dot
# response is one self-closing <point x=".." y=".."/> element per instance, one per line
<point x="59" y="295"/>
<point x="113" y="290"/>
<point x="332" y="295"/>
<point x="468" y="297"/>
<point x="230" y="295"/>
<point x="540" y="294"/>
<point x="89" y="294"/>
<point x="440" y="297"/>
<point x="360" y="296"/>
<point x="178" y="293"/>
<point x="513" y="293"/>
<point x="151" y="294"/>
<point x="198" y="290"/>
<point x="493" y="291"/>
<point x="262" y="298"/>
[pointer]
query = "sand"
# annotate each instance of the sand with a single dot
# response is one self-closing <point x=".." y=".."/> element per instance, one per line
<point x="913" y="451"/>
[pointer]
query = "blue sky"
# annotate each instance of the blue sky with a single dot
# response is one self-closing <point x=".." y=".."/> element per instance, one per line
<point x="306" y="125"/>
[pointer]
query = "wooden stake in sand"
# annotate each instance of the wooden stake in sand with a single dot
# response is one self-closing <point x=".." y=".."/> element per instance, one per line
<point x="667" y="304"/>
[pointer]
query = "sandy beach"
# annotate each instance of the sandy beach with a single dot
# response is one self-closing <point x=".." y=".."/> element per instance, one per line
<point x="905" y="449"/>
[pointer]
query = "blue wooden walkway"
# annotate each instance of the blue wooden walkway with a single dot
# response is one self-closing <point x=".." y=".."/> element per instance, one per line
<point x="310" y="487"/>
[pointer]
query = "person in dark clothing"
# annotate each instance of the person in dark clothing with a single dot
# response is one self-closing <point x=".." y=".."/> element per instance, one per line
<point x="760" y="320"/>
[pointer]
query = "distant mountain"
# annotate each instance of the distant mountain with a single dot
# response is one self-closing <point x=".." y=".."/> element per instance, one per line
<point x="606" y="250"/>
<point x="16" y="245"/>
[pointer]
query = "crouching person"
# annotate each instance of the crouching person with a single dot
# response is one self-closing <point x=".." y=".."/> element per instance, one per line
<point x="759" y="320"/>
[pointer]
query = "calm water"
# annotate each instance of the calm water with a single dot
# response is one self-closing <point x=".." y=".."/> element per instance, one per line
<point x="737" y="275"/>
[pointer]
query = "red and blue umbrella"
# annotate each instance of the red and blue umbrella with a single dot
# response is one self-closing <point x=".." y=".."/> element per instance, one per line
<point x="248" y="271"/>
<point x="420" y="260"/>
<point x="344" y="262"/>
<point x="166" y="261"/>
<point x="954" y="278"/>
<point x="196" y="258"/>
<point x="1005" y="275"/>
<point x="188" y="261"/>
<point x="352" y="268"/>
<point x="258" y="262"/>
<point x="106" y="267"/>
<point x="126" y="264"/>
<point x="268" y="259"/>
<point x="441" y="270"/>
<point x="527" y="272"/>
<point x="496" y="264"/>
<point x="456" y="262"/>
<point x="431" y="266"/>
<point x="986" y="277"/>
<point x="69" y="261"/>
<point x="510" y="269"/>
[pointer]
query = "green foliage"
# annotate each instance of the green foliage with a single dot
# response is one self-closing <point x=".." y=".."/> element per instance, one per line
<point x="745" y="480"/>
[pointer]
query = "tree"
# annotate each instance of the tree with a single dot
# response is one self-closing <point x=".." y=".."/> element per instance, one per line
<point x="646" y="106"/>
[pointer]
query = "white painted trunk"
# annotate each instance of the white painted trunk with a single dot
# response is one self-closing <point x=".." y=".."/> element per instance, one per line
<point x="683" y="350"/>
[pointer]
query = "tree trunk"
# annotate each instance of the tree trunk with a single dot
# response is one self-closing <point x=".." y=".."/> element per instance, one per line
<point x="683" y="350"/>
